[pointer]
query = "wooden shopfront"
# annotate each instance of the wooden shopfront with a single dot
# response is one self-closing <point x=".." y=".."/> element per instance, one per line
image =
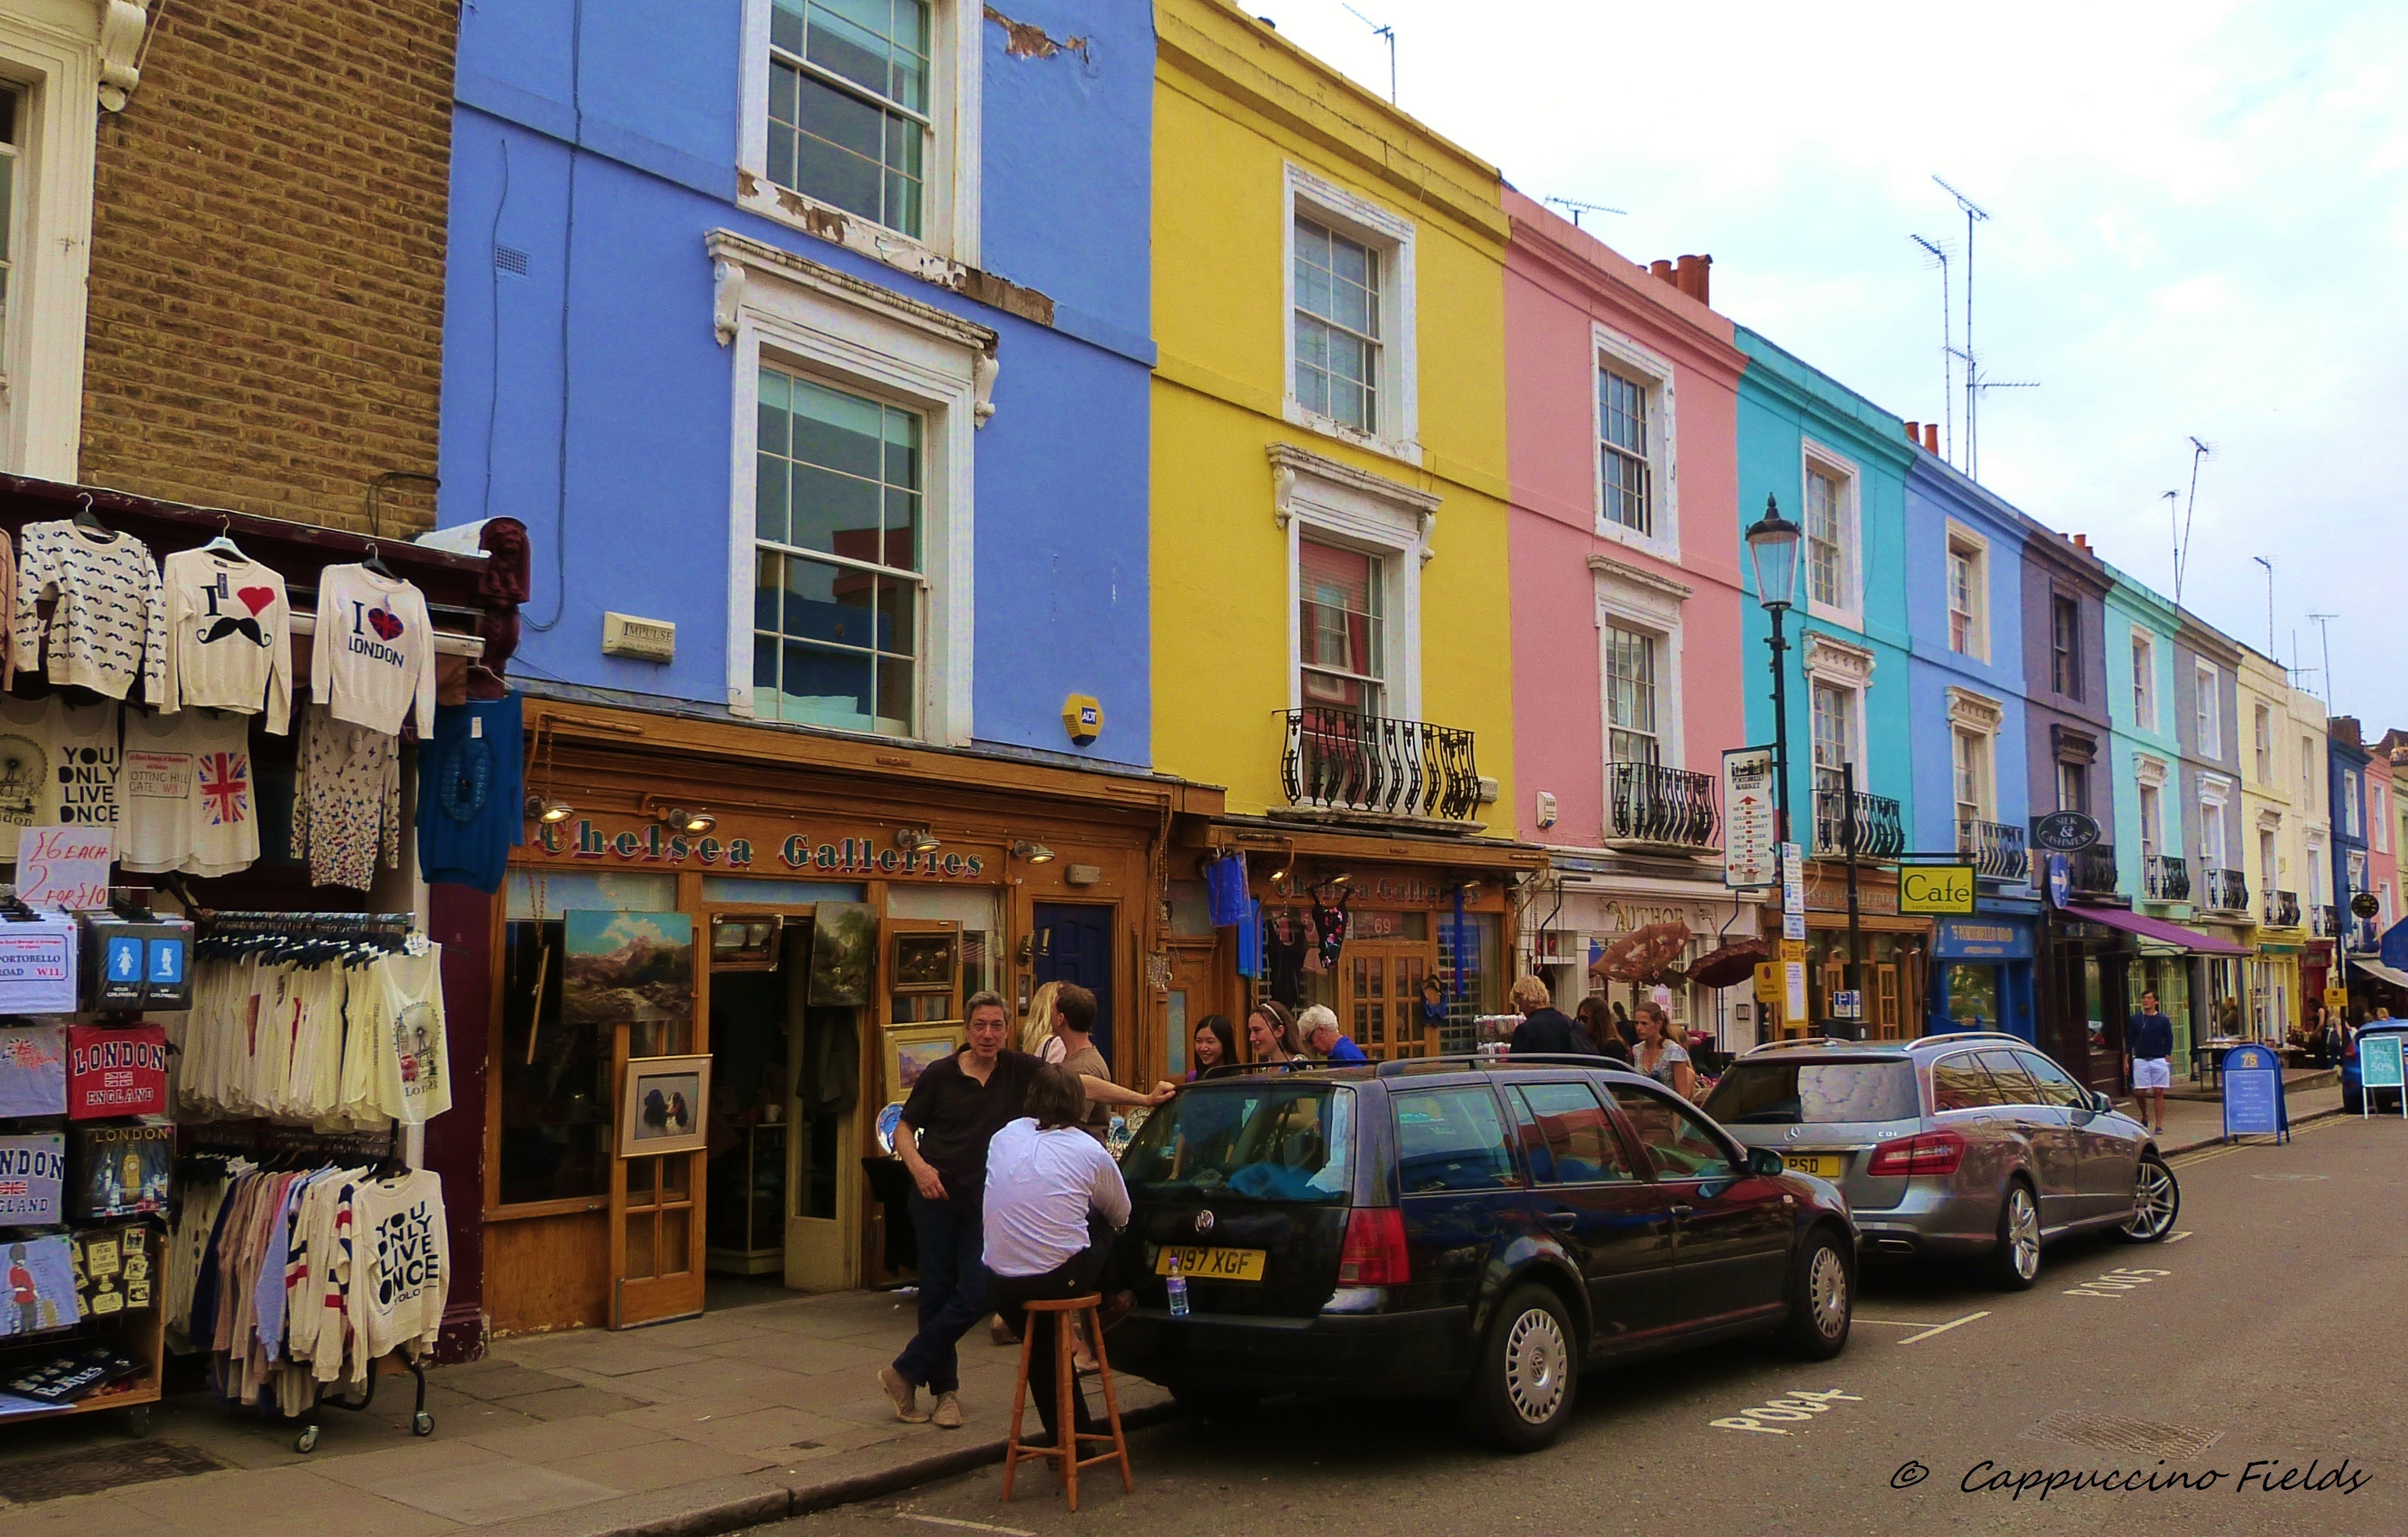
<point x="1893" y="951"/>
<point x="1418" y="910"/>
<point x="804" y="918"/>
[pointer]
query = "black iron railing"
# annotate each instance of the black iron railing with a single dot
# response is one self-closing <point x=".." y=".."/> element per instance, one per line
<point x="2227" y="891"/>
<point x="1337" y="760"/>
<point x="2283" y="910"/>
<point x="1878" y="831"/>
<point x="2324" y="919"/>
<point x="2165" y="878"/>
<point x="1648" y="803"/>
<point x="1998" y="850"/>
<point x="2093" y="870"/>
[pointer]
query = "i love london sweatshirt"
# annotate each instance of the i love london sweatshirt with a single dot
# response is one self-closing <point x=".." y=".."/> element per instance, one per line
<point x="229" y="638"/>
<point x="372" y="658"/>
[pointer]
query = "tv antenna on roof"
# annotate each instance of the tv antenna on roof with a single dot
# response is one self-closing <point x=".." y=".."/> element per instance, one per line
<point x="2320" y="621"/>
<point x="1974" y="214"/>
<point x="1577" y="209"/>
<point x="1947" y="348"/>
<point x="2182" y="546"/>
<point x="1387" y="35"/>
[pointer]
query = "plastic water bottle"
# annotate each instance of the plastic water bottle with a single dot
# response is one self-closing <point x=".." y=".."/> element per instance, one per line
<point x="1178" y="1290"/>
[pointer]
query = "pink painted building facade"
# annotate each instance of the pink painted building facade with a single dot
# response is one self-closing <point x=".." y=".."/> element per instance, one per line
<point x="1621" y="389"/>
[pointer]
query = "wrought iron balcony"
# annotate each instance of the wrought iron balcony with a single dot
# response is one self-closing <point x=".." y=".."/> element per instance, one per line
<point x="2165" y="878"/>
<point x="2322" y="920"/>
<point x="1648" y="803"/>
<point x="1998" y="850"/>
<point x="2282" y="909"/>
<point x="1871" y="824"/>
<point x="2093" y="870"/>
<point x="2227" y="891"/>
<point x="1337" y="760"/>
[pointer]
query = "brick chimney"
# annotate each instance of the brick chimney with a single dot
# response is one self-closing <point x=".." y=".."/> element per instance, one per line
<point x="1663" y="269"/>
<point x="1915" y="432"/>
<point x="1931" y="437"/>
<point x="1693" y="277"/>
<point x="2343" y="729"/>
<point x="2081" y="542"/>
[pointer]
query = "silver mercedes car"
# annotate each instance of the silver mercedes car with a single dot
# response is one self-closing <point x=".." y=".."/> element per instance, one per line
<point x="1971" y="1144"/>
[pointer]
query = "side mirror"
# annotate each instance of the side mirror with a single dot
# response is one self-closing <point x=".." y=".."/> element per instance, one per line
<point x="2102" y="1103"/>
<point x="1765" y="1161"/>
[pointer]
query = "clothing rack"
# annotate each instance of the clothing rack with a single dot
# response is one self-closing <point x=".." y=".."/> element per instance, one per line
<point x="218" y="933"/>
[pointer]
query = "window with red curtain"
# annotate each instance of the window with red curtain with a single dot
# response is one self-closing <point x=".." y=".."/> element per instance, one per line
<point x="1338" y="628"/>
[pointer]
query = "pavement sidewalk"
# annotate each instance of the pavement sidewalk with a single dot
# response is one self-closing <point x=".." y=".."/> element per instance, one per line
<point x="2192" y="1123"/>
<point x="744" y="1415"/>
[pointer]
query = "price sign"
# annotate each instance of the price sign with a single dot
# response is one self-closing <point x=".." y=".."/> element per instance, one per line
<point x="1749" y="829"/>
<point x="65" y="869"/>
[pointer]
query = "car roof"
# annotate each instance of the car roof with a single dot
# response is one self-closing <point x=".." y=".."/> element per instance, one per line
<point x="1464" y="1067"/>
<point x="1830" y="1047"/>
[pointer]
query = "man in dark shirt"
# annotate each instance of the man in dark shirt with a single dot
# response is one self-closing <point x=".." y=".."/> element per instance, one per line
<point x="2148" y="1051"/>
<point x="1544" y="1027"/>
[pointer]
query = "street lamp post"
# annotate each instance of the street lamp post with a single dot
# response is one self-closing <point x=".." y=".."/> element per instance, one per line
<point x="1772" y="552"/>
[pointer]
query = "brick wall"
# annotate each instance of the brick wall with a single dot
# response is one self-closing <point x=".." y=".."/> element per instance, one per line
<point x="266" y="302"/>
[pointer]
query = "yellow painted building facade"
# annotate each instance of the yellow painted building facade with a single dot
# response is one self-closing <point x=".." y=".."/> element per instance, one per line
<point x="2273" y="832"/>
<point x="1250" y="134"/>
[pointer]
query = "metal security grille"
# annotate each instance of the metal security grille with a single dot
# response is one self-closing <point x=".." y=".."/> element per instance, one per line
<point x="2111" y="1433"/>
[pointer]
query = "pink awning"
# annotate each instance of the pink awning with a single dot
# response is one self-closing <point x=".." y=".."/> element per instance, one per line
<point x="2158" y="929"/>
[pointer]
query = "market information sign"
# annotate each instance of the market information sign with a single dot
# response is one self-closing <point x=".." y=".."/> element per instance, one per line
<point x="2253" y="1092"/>
<point x="1935" y="888"/>
<point x="1750" y="826"/>
<point x="2380" y="1066"/>
<point x="2065" y="832"/>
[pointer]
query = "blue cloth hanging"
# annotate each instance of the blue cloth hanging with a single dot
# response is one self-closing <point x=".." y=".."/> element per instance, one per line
<point x="1250" y="941"/>
<point x="1225" y="889"/>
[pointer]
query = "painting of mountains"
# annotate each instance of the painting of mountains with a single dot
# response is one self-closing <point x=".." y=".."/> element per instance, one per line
<point x="637" y="966"/>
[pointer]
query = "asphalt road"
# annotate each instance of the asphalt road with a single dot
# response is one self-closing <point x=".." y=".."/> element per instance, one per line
<point x="2258" y="1344"/>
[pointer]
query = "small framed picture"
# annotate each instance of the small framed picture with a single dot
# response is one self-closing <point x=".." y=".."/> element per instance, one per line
<point x="663" y="1108"/>
<point x="924" y="962"/>
<point x="913" y="1049"/>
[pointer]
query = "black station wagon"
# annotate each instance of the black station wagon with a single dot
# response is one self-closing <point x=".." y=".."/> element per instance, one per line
<point x="1461" y="1229"/>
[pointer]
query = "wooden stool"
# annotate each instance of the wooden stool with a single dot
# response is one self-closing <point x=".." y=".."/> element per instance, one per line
<point x="1065" y="1388"/>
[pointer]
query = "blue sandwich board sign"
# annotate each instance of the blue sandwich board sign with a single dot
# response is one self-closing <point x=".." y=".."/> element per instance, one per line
<point x="2380" y="1066"/>
<point x="2253" y="1094"/>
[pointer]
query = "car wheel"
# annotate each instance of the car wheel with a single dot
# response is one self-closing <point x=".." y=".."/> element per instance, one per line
<point x="1526" y="1373"/>
<point x="1822" y="1300"/>
<point x="2156" y="1200"/>
<point x="2014" y="1265"/>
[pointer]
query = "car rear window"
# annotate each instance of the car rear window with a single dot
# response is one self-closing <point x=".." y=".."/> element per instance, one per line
<point x="1793" y="1093"/>
<point x="1261" y="1138"/>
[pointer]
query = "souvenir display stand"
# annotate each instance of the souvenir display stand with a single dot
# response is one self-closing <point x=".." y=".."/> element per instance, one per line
<point x="248" y="1064"/>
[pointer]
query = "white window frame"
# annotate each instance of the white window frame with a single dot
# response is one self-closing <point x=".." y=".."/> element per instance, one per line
<point x="1971" y="750"/>
<point x="1975" y="718"/>
<point x="2383" y="895"/>
<point x="1630" y="598"/>
<point x="2145" y="679"/>
<point x="1851" y="712"/>
<point x="2261" y="743"/>
<point x="1813" y="456"/>
<point x="50" y="51"/>
<point x="1354" y="508"/>
<point x="2318" y="868"/>
<point x="2351" y="825"/>
<point x="870" y="340"/>
<point x="2207" y="710"/>
<point x="957" y="63"/>
<point x="1654" y="372"/>
<point x="2309" y="767"/>
<point x="2215" y="852"/>
<point x="2378" y="816"/>
<point x="2149" y="775"/>
<point x="1393" y="237"/>
<point x="1962" y="540"/>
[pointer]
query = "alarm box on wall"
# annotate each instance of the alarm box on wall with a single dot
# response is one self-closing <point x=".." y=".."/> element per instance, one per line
<point x="133" y="965"/>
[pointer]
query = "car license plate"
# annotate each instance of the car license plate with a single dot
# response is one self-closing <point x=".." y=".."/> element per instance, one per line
<point x="1214" y="1264"/>
<point x="1821" y="1165"/>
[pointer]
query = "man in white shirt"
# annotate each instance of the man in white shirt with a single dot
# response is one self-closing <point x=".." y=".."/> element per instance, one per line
<point x="1053" y="1202"/>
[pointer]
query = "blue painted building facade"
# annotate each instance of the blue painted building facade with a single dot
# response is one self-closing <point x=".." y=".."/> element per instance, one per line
<point x="1965" y="681"/>
<point x="1837" y="465"/>
<point x="870" y="432"/>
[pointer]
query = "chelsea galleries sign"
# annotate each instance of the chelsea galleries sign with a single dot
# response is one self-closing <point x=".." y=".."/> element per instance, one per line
<point x="862" y="856"/>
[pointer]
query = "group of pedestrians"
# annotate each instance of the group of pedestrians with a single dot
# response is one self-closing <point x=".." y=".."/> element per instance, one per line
<point x="1645" y="1039"/>
<point x="1014" y="1196"/>
<point x="1274" y="1034"/>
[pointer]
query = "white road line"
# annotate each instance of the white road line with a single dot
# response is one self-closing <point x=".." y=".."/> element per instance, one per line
<point x="967" y="1525"/>
<point x="1944" y="1328"/>
<point x="2176" y="1237"/>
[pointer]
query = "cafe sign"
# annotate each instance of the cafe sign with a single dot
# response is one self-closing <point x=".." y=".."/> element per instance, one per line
<point x="654" y="844"/>
<point x="1935" y="888"/>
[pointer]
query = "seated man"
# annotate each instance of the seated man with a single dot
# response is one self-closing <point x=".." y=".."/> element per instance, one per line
<point x="1054" y="1201"/>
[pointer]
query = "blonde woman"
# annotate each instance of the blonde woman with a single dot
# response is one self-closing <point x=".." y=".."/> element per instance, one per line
<point x="1037" y="1036"/>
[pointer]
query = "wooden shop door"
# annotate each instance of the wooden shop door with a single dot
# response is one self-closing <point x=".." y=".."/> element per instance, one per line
<point x="1379" y="996"/>
<point x="656" y="1200"/>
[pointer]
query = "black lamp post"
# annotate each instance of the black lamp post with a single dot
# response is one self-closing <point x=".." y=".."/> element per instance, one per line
<point x="1772" y="551"/>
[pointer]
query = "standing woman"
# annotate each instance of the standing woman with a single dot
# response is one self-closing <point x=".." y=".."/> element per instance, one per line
<point x="1658" y="1057"/>
<point x="1271" y="1031"/>
<point x="1604" y="1039"/>
<point x="1216" y="1045"/>
<point x="1037" y="1036"/>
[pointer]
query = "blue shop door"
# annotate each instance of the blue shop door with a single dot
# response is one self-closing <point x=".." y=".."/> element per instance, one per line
<point x="1074" y="943"/>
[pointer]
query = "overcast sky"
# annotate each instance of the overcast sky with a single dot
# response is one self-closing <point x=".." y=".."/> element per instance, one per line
<point x="2198" y="223"/>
